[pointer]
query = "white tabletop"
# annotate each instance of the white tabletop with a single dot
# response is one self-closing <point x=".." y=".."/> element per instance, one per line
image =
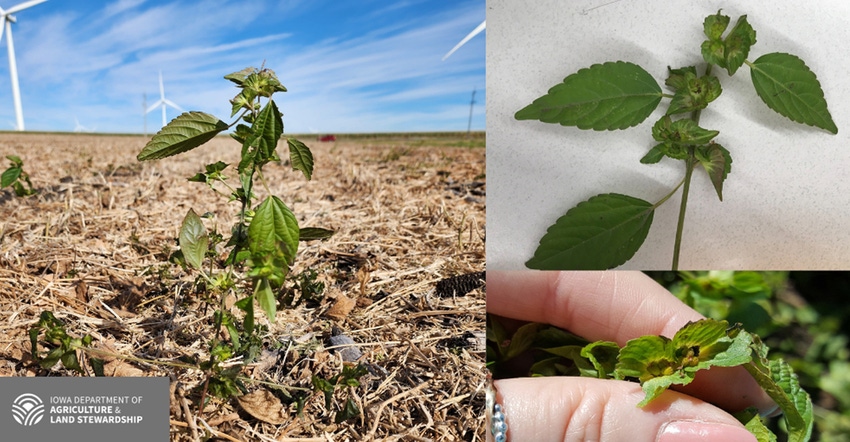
<point x="787" y="200"/>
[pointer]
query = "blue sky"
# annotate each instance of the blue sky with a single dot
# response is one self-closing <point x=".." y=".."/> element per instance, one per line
<point x="349" y="66"/>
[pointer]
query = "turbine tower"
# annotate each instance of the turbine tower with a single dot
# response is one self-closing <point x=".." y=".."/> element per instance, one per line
<point x="474" y="32"/>
<point x="8" y="19"/>
<point x="163" y="102"/>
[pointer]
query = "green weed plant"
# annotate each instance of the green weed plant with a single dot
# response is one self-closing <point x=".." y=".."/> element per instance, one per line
<point x="16" y="177"/>
<point x="262" y="245"/>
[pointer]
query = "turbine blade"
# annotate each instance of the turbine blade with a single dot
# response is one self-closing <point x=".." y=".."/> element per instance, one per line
<point x="474" y="32"/>
<point x="23" y="6"/>
<point x="13" y="77"/>
<point x="161" y="88"/>
<point x="154" y="106"/>
<point x="173" y="104"/>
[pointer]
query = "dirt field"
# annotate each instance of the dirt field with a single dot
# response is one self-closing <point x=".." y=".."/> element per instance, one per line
<point x="94" y="245"/>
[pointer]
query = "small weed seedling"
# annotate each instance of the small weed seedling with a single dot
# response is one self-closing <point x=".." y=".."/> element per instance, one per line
<point x="658" y="362"/>
<point x="348" y="378"/>
<point x="15" y="176"/>
<point x="607" y="230"/>
<point x="65" y="347"/>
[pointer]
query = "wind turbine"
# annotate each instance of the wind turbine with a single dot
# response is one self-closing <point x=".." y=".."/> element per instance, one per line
<point x="163" y="101"/>
<point x="8" y="19"/>
<point x="474" y="32"/>
<point x="80" y="128"/>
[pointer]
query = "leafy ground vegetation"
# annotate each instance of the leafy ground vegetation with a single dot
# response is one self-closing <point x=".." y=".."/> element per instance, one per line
<point x="801" y="316"/>
<point x="370" y="340"/>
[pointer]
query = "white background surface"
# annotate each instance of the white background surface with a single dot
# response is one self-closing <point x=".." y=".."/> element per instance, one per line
<point x="787" y="200"/>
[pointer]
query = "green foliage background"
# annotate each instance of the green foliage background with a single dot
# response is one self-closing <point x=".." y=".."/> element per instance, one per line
<point x="804" y="318"/>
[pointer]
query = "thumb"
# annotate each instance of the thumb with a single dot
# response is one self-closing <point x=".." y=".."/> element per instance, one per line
<point x="574" y="409"/>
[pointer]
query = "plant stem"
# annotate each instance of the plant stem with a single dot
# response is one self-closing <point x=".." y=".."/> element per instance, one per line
<point x="689" y="168"/>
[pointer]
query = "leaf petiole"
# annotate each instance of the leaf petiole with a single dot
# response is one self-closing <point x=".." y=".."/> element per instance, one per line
<point x="680" y="225"/>
<point x="667" y="197"/>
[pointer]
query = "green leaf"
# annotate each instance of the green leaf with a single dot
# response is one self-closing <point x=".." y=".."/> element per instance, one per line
<point x="244" y="99"/>
<point x="523" y="339"/>
<point x="712" y="52"/>
<point x="51" y="358"/>
<point x="681" y="132"/>
<point x="10" y="176"/>
<point x="613" y="95"/>
<point x="314" y="233"/>
<point x="240" y="76"/>
<point x="349" y="410"/>
<point x="717" y="162"/>
<point x="738" y="43"/>
<point x="655" y="386"/>
<point x="274" y="228"/>
<point x="193" y="239"/>
<point x="603" y="356"/>
<point x="729" y="53"/>
<point x="241" y="134"/>
<point x="267" y="128"/>
<point x="70" y="361"/>
<point x="702" y="334"/>
<point x="677" y="79"/>
<point x="754" y="425"/>
<point x="265" y="297"/>
<point x="97" y="366"/>
<point x="789" y="87"/>
<point x="182" y="134"/>
<point x="247" y="306"/>
<point x="654" y="155"/>
<point x="300" y="157"/>
<point x="16" y="161"/>
<point x="645" y="358"/>
<point x="691" y="92"/>
<point x="780" y="383"/>
<point x="600" y="233"/>
<point x="800" y="424"/>
<point x="582" y="364"/>
<point x="34" y="332"/>
<point x="715" y="25"/>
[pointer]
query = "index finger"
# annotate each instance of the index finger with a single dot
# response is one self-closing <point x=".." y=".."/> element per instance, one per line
<point x="615" y="306"/>
<point x="612" y="306"/>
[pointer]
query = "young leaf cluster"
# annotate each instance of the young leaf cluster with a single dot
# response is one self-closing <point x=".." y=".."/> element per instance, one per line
<point x="65" y="346"/>
<point x="15" y="176"/>
<point x="608" y="229"/>
<point x="349" y="377"/>
<point x="659" y="362"/>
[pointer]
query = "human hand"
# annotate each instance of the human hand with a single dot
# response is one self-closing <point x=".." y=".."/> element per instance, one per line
<point x="614" y="306"/>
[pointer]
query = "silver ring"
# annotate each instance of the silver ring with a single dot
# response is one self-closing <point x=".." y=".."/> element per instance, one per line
<point x="498" y="422"/>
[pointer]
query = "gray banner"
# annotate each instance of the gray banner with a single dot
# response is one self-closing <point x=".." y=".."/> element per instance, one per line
<point x="89" y="409"/>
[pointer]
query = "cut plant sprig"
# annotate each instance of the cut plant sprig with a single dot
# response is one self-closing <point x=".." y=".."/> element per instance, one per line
<point x="619" y="95"/>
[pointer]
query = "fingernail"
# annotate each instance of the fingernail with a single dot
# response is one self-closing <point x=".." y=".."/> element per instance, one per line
<point x="687" y="431"/>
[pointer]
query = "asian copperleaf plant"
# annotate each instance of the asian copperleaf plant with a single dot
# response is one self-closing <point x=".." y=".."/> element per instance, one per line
<point x="606" y="230"/>
<point x="265" y="238"/>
